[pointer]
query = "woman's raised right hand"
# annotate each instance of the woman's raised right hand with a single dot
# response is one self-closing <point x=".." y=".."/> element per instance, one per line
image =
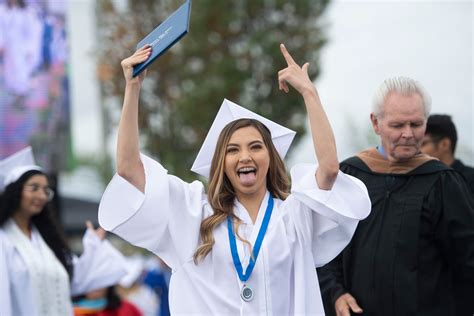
<point x="138" y="57"/>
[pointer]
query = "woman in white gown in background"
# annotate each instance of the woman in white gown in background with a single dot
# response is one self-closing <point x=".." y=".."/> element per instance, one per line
<point x="248" y="246"/>
<point x="38" y="272"/>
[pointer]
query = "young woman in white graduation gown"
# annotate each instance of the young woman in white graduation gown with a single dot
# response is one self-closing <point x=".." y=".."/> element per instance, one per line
<point x="38" y="272"/>
<point x="248" y="246"/>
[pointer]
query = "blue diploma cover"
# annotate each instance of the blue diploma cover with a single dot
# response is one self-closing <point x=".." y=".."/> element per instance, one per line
<point x="165" y="35"/>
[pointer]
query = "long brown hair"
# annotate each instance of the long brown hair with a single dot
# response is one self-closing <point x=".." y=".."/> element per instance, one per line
<point x="45" y="222"/>
<point x="221" y="194"/>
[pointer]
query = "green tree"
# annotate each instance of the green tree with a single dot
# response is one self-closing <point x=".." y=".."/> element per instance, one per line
<point x="231" y="51"/>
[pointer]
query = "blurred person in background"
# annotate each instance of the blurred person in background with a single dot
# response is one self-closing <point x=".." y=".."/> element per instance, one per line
<point x="38" y="271"/>
<point x="133" y="288"/>
<point x="440" y="142"/>
<point x="157" y="278"/>
<point x="104" y="302"/>
<point x="419" y="236"/>
<point x="110" y="301"/>
<point x="21" y="34"/>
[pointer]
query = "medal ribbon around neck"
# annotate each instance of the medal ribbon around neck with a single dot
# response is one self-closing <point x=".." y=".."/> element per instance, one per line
<point x="258" y="243"/>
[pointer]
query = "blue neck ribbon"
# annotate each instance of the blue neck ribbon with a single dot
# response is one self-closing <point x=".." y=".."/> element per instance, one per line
<point x="256" y="248"/>
<point x="381" y="150"/>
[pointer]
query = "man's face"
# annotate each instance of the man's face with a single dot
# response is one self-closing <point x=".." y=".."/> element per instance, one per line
<point x="430" y="147"/>
<point x="401" y="126"/>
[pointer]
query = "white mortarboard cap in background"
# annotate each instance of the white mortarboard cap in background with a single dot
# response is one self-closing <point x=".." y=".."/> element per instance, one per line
<point x="14" y="166"/>
<point x="110" y="265"/>
<point x="228" y="112"/>
<point x="135" y="266"/>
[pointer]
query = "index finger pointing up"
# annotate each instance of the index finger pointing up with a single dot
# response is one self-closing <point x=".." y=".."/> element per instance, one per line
<point x="288" y="58"/>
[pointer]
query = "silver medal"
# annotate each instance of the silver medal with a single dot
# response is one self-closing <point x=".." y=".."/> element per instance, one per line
<point x="246" y="293"/>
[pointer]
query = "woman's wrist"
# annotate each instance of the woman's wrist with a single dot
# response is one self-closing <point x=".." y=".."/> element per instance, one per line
<point x="309" y="93"/>
<point x="132" y="84"/>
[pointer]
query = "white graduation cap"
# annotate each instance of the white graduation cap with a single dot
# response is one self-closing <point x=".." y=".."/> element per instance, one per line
<point x="228" y="112"/>
<point x="14" y="166"/>
<point x="134" y="267"/>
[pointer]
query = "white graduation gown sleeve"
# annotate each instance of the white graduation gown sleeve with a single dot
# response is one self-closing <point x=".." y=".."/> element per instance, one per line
<point x="5" y="299"/>
<point x="334" y="214"/>
<point x="165" y="219"/>
<point x="99" y="266"/>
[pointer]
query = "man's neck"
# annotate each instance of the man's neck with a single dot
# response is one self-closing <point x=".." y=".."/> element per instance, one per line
<point x="448" y="161"/>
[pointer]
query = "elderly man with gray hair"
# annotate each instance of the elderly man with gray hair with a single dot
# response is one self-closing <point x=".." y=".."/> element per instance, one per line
<point x="420" y="234"/>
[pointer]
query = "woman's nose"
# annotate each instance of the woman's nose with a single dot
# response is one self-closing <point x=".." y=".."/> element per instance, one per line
<point x="245" y="157"/>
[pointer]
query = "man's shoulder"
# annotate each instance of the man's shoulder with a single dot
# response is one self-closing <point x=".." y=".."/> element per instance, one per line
<point x="421" y="180"/>
<point x="357" y="164"/>
<point x="466" y="172"/>
<point x="432" y="166"/>
<point x="354" y="162"/>
<point x="459" y="166"/>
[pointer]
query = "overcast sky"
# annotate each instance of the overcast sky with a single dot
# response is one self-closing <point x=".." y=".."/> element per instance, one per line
<point x="430" y="41"/>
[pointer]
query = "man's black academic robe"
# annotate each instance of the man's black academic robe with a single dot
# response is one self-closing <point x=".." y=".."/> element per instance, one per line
<point x="418" y="237"/>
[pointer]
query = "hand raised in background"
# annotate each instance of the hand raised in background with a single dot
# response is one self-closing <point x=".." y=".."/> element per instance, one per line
<point x="100" y="232"/>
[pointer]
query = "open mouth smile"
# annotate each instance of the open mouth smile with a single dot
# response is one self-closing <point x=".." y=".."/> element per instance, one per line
<point x="246" y="170"/>
<point x="247" y="175"/>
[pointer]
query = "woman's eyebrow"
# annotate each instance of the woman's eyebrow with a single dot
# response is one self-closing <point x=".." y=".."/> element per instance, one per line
<point x="36" y="183"/>
<point x="250" y="143"/>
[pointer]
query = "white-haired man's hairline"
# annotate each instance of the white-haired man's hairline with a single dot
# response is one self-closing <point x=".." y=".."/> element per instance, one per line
<point x="400" y="85"/>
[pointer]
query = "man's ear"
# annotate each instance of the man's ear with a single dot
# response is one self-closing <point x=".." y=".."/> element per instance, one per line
<point x="444" y="145"/>
<point x="375" y="123"/>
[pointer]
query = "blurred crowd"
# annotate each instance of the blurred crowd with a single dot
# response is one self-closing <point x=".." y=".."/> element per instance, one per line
<point x="143" y="290"/>
<point x="34" y="90"/>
